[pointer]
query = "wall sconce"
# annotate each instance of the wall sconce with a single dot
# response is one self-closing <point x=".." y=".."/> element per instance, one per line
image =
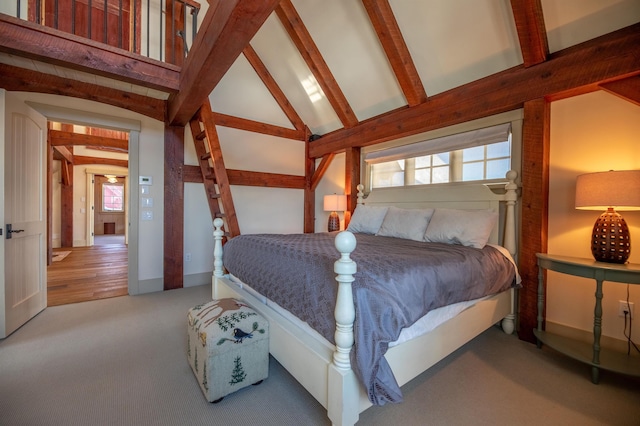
<point x="334" y="203"/>
<point x="610" y="239"/>
<point x="111" y="178"/>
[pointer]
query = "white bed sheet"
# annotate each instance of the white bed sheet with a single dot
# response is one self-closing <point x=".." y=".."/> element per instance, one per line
<point x="425" y="324"/>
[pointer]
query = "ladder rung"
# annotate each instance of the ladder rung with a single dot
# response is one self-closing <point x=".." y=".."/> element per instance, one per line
<point x="215" y="195"/>
<point x="220" y="215"/>
<point x="210" y="176"/>
<point x="200" y="136"/>
<point x="205" y="156"/>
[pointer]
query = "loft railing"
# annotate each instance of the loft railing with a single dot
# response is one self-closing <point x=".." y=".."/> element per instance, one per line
<point x="159" y="29"/>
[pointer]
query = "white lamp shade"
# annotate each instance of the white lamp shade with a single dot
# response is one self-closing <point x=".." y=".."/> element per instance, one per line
<point x="335" y="203"/>
<point x="601" y="190"/>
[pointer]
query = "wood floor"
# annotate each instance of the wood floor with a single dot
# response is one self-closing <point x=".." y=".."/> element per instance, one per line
<point x="88" y="273"/>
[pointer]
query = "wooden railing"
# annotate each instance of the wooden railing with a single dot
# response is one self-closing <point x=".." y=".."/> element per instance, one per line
<point x="159" y="29"/>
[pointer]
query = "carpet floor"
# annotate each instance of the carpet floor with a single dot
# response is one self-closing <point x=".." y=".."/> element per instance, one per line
<point x="122" y="361"/>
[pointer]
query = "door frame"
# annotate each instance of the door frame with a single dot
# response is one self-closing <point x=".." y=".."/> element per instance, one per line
<point x="90" y="220"/>
<point x="91" y="119"/>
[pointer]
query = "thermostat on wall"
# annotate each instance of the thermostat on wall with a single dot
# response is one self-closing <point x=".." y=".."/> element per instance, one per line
<point x="146" y="180"/>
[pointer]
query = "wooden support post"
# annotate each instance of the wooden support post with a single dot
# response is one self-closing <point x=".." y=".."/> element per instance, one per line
<point x="173" y="207"/>
<point x="351" y="181"/>
<point x="535" y="199"/>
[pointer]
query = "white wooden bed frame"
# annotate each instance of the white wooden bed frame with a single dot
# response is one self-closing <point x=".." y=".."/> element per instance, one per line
<point x="324" y="369"/>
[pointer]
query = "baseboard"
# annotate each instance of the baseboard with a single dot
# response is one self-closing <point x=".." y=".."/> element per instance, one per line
<point x="194" y="280"/>
<point x="586" y="336"/>
<point x="150" y="286"/>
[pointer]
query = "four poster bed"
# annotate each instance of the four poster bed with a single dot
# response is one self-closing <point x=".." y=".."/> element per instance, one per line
<point x="362" y="339"/>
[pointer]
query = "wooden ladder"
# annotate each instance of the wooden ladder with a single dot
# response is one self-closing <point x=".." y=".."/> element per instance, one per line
<point x="214" y="173"/>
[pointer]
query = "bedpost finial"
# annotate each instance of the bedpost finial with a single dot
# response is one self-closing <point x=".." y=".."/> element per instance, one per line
<point x="511" y="175"/>
<point x="217" y="222"/>
<point x="345" y="242"/>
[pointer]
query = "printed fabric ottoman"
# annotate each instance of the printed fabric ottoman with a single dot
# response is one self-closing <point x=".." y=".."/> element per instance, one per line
<point x="228" y="347"/>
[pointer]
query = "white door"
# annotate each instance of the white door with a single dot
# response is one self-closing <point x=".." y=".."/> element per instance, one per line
<point x="23" y="282"/>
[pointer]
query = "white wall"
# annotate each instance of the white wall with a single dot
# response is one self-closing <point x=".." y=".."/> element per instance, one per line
<point x="589" y="133"/>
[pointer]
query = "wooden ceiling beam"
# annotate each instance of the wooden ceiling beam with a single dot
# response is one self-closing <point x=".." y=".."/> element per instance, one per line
<point x="62" y="153"/>
<point x="226" y="29"/>
<point x="30" y="40"/>
<point x="273" y="87"/>
<point x="320" y="171"/>
<point x="257" y="127"/>
<point x="60" y="138"/>
<point x="24" y="80"/>
<point x="628" y="89"/>
<point x="607" y="58"/>
<point x="388" y="31"/>
<point x="532" y="33"/>
<point x="306" y="46"/>
<point x="79" y="160"/>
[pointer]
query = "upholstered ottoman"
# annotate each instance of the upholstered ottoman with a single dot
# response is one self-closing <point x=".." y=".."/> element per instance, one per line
<point x="228" y="347"/>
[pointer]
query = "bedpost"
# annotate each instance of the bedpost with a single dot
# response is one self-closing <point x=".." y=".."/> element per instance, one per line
<point x="343" y="404"/>
<point x="360" y="199"/>
<point x="511" y="196"/>
<point x="218" y="272"/>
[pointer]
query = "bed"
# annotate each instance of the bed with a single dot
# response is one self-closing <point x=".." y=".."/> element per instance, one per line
<point x="327" y="367"/>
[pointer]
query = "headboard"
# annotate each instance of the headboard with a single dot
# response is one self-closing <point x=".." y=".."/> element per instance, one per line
<point x="456" y="196"/>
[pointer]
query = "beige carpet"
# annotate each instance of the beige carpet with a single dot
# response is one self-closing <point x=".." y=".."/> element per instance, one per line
<point x="123" y="361"/>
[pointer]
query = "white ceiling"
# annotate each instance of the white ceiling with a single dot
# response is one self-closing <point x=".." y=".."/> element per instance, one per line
<point x="452" y="42"/>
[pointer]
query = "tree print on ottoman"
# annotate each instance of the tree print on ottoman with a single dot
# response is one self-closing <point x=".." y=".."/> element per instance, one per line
<point x="237" y="375"/>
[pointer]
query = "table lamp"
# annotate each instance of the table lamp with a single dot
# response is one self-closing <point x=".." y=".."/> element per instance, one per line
<point x="334" y="203"/>
<point x="610" y="191"/>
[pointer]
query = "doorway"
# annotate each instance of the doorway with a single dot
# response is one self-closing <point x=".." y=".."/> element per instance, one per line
<point x="89" y="202"/>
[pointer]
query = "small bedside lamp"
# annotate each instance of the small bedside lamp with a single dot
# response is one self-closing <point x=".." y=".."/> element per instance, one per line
<point x="610" y="240"/>
<point x="334" y="203"/>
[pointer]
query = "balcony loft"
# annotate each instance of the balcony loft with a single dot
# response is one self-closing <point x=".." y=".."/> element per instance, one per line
<point x="45" y="47"/>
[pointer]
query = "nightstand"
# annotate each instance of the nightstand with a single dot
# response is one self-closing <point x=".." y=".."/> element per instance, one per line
<point x="592" y="354"/>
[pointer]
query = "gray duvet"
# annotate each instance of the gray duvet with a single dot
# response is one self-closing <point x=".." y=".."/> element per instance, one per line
<point x="398" y="281"/>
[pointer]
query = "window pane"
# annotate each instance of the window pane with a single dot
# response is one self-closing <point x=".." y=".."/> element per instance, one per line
<point x="112" y="197"/>
<point x="472" y="171"/>
<point x="473" y="154"/>
<point x="422" y="176"/>
<point x="497" y="169"/>
<point x="388" y="174"/>
<point x="500" y="149"/>
<point x="441" y="159"/>
<point x="424" y="161"/>
<point x="440" y="174"/>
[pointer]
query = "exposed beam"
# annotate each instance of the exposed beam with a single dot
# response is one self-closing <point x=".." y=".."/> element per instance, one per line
<point x="388" y="31"/>
<point x="534" y="204"/>
<point x="306" y="46"/>
<point x="608" y="58"/>
<point x="226" y="29"/>
<point x="60" y="138"/>
<point x="30" y="40"/>
<point x="257" y="127"/>
<point x="193" y="174"/>
<point x="320" y="171"/>
<point x="532" y="33"/>
<point x="273" y="87"/>
<point x="80" y="160"/>
<point x="24" y="80"/>
<point x="63" y="154"/>
<point x="628" y="89"/>
<point x="173" y="271"/>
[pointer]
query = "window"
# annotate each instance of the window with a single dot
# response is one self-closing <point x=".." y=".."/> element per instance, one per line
<point x="480" y="155"/>
<point x="112" y="197"/>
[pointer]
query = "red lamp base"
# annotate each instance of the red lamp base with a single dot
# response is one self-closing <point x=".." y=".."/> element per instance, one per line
<point x="334" y="222"/>
<point x="610" y="240"/>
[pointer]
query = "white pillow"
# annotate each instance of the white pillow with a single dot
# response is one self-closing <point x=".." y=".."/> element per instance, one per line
<point x="367" y="219"/>
<point x="409" y="224"/>
<point x="468" y="228"/>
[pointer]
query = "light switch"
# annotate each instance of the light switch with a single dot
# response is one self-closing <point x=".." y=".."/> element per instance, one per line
<point x="147" y="202"/>
<point x="144" y="189"/>
<point x="147" y="215"/>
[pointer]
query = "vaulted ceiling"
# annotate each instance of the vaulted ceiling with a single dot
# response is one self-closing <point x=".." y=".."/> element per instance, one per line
<point x="322" y="66"/>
